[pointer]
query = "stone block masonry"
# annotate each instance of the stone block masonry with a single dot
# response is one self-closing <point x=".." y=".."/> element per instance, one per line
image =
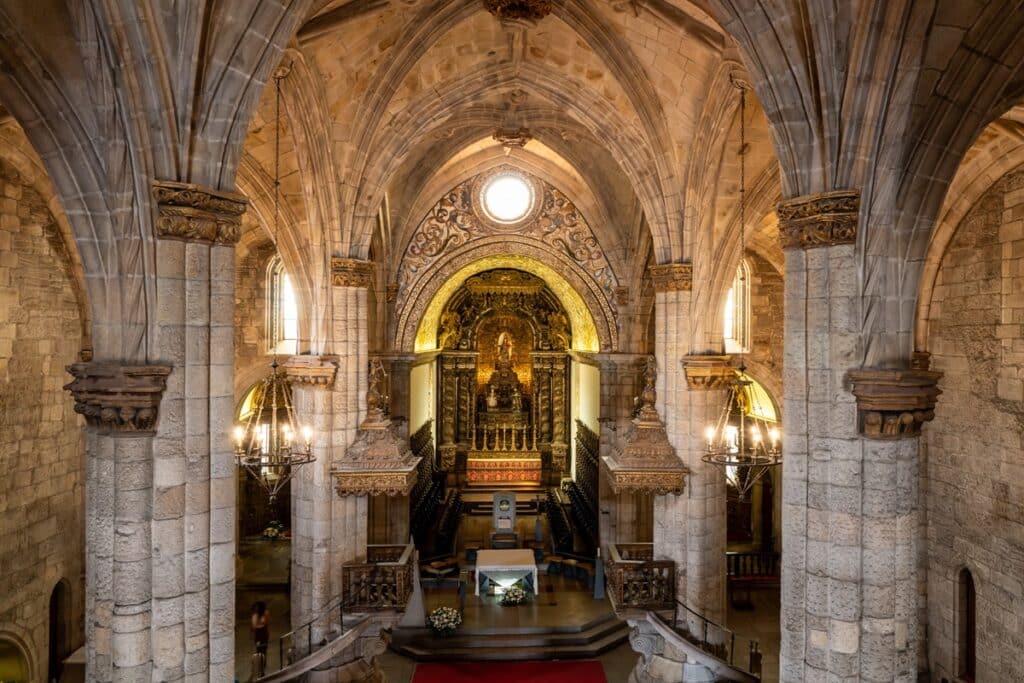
<point x="41" y="440"/>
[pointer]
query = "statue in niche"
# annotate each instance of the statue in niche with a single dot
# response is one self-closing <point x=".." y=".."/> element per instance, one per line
<point x="558" y="330"/>
<point x="448" y="337"/>
<point x="492" y="399"/>
<point x="504" y="348"/>
<point x="517" y="400"/>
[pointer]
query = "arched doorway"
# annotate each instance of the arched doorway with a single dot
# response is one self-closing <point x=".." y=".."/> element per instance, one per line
<point x="60" y="628"/>
<point x="14" y="663"/>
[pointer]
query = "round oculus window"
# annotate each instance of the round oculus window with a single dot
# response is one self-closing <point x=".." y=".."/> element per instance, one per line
<point x="507" y="198"/>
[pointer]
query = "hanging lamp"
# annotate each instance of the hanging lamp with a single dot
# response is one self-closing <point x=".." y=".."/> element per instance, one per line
<point x="269" y="445"/>
<point x="744" y="444"/>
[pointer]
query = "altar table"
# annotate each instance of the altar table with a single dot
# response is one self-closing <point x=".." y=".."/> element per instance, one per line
<point x="505" y="566"/>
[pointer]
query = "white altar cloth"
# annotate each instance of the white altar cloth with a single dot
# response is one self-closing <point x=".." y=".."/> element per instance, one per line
<point x="505" y="567"/>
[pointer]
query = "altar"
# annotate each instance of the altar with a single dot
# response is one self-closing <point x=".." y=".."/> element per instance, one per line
<point x="505" y="567"/>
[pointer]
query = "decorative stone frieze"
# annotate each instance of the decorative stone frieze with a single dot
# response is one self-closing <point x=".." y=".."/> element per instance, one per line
<point x="819" y="220"/>
<point x="348" y="272"/>
<point x="519" y="11"/>
<point x="647" y="462"/>
<point x="191" y="212"/>
<point x="672" y="277"/>
<point x="894" y="404"/>
<point x="118" y="399"/>
<point x="316" y="371"/>
<point x="379" y="461"/>
<point x="706" y="373"/>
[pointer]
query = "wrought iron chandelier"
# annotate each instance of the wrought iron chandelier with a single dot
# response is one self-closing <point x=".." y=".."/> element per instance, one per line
<point x="267" y="444"/>
<point x="742" y="443"/>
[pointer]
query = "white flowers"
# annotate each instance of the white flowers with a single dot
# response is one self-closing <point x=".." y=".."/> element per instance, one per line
<point x="513" y="596"/>
<point x="444" y="620"/>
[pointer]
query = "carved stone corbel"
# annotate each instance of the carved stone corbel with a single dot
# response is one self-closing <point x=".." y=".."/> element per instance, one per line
<point x="819" y="220"/>
<point x="348" y="272"/>
<point x="191" y="212"/>
<point x="672" y="277"/>
<point x="118" y="399"/>
<point x="525" y="12"/>
<point x="706" y="373"/>
<point x="894" y="404"/>
<point x="312" y="371"/>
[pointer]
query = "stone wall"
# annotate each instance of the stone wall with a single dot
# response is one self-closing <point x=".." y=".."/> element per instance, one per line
<point x="974" y="468"/>
<point x="251" y="361"/>
<point x="766" y="322"/>
<point x="41" y="438"/>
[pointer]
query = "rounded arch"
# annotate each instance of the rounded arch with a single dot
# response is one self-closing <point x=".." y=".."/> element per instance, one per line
<point x="589" y="314"/>
<point x="16" y="662"/>
<point x="991" y="161"/>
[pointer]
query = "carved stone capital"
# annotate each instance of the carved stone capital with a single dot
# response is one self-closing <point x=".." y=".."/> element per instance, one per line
<point x="819" y="220"/>
<point x="705" y="373"/>
<point x="348" y="272"/>
<point x="672" y="277"/>
<point x="119" y="399"/>
<point x="527" y="12"/>
<point x="894" y="404"/>
<point x="512" y="137"/>
<point x="314" y="371"/>
<point x="191" y="212"/>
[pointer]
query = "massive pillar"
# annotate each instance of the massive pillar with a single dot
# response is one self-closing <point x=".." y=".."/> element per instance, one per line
<point x="689" y="528"/>
<point x="850" y="480"/>
<point x="329" y="530"/>
<point x="160" y="492"/>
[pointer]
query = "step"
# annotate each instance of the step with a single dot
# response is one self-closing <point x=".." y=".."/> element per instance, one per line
<point x="522" y="643"/>
<point x="442" y="649"/>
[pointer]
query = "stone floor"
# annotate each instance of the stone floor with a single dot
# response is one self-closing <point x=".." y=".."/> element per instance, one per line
<point x="762" y="623"/>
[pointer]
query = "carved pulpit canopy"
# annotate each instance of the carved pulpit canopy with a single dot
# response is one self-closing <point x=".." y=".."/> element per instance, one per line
<point x="379" y="461"/>
<point x="646" y="462"/>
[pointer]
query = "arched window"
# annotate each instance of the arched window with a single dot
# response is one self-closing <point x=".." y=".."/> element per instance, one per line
<point x="60" y="618"/>
<point x="736" y="316"/>
<point x="282" y="311"/>
<point x="14" y="664"/>
<point x="966" y="611"/>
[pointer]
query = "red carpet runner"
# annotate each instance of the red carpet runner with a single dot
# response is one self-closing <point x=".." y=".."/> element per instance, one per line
<point x="510" y="672"/>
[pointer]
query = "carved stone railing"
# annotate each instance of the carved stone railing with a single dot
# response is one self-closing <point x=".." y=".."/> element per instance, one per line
<point x="640" y="584"/>
<point x="383" y="582"/>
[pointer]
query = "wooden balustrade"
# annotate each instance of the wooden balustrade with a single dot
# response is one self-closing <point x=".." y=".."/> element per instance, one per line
<point x="384" y="581"/>
<point x="752" y="565"/>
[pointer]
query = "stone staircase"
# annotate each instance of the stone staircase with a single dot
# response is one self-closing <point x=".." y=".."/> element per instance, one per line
<point x="506" y="644"/>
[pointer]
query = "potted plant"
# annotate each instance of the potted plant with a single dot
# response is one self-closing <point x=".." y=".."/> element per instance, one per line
<point x="274" y="530"/>
<point x="513" y="596"/>
<point x="444" y="620"/>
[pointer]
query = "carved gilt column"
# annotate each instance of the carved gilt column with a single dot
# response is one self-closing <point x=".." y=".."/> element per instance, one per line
<point x="449" y="406"/>
<point x="850" y="461"/>
<point x="559" y="412"/>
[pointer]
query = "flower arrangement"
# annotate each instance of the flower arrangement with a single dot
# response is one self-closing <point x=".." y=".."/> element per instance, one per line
<point x="274" y="530"/>
<point x="513" y="596"/>
<point x="444" y="620"/>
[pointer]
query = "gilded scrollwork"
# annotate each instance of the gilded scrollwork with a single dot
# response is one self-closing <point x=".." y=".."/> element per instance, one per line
<point x="454" y="221"/>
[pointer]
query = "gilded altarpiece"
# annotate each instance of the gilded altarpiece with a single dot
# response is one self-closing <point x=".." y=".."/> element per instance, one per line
<point x="504" y="409"/>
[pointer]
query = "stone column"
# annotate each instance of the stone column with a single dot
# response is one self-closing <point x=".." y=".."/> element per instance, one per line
<point x="312" y="380"/>
<point x="120" y="404"/>
<point x="850" y="480"/>
<point x="689" y="528"/>
<point x="161" y="493"/>
<point x="327" y="530"/>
